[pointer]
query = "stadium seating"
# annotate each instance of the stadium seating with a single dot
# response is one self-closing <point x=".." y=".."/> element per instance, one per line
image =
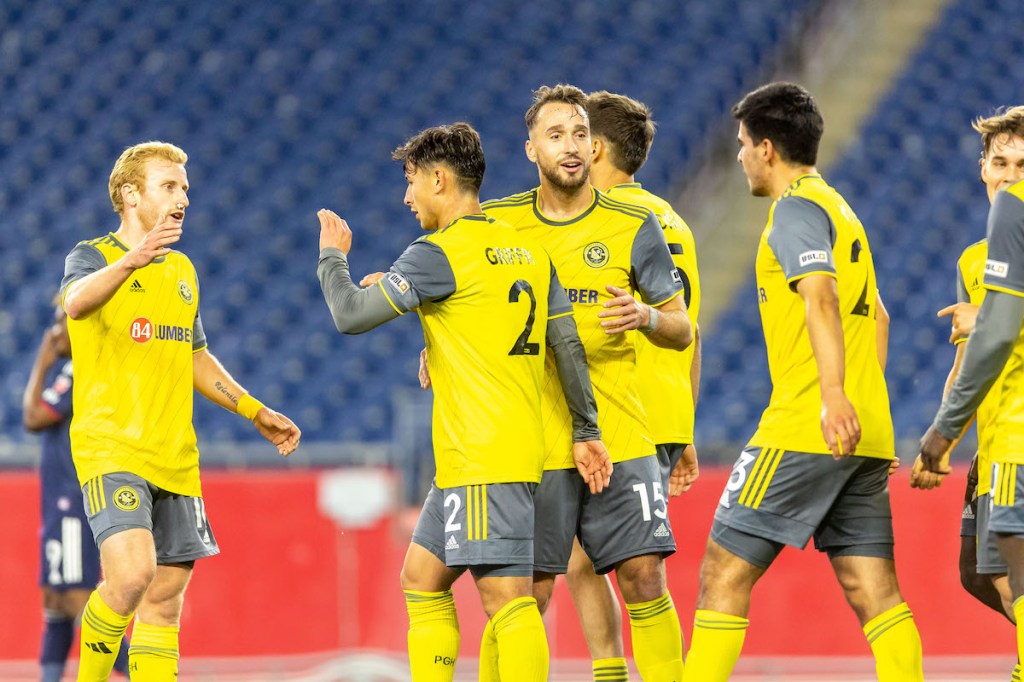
<point x="290" y="106"/>
<point x="912" y="178"/>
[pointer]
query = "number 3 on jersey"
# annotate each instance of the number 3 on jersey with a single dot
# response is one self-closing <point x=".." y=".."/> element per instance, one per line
<point x="523" y="346"/>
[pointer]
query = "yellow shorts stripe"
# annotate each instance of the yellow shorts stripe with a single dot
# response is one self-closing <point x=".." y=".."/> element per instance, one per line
<point x="470" y="535"/>
<point x="88" y="494"/>
<point x="767" y="478"/>
<point x="100" y="493"/>
<point x="755" y="470"/>
<point x="483" y="511"/>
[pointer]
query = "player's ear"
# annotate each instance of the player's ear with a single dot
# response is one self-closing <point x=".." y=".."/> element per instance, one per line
<point x="531" y="153"/>
<point x="129" y="194"/>
<point x="596" y="148"/>
<point x="440" y="179"/>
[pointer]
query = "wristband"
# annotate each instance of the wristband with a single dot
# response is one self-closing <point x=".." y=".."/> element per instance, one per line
<point x="652" y="324"/>
<point x="248" y="407"/>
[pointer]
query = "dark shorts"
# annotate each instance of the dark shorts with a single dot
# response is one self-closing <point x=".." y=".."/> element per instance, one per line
<point x="776" y="498"/>
<point x="669" y="455"/>
<point x="990" y="561"/>
<point x="969" y="516"/>
<point x="486" y="528"/>
<point x="119" y="501"/>
<point x="1007" y="504"/>
<point x="626" y="520"/>
<point x="70" y="559"/>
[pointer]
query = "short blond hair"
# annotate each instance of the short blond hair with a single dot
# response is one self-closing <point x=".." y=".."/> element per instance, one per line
<point x="129" y="167"/>
<point x="1006" y="120"/>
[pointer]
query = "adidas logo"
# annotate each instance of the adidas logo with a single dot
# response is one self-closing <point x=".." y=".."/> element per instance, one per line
<point x="137" y="287"/>
<point x="662" y="532"/>
<point x="99" y="647"/>
<point x="451" y="543"/>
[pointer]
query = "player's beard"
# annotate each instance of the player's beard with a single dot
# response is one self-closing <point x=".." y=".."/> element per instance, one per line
<point x="563" y="184"/>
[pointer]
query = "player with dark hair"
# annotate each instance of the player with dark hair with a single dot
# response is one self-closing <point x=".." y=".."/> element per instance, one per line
<point x="479" y="288"/>
<point x="826" y="353"/>
<point x="604" y="251"/>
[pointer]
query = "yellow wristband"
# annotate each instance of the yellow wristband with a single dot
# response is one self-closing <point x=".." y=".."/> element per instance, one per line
<point x="248" y="407"/>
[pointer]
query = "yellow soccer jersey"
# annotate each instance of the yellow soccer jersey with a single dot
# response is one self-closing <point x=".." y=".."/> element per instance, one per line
<point x="970" y="289"/>
<point x="484" y="293"/>
<point x="608" y="243"/>
<point x="1004" y="272"/>
<point x="133" y="371"/>
<point x="663" y="373"/>
<point x="811" y="230"/>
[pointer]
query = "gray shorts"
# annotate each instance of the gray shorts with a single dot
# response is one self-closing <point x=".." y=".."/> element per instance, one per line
<point x="990" y="561"/>
<point x="1007" y="500"/>
<point x="486" y="528"/>
<point x="626" y="520"/>
<point x="785" y="498"/>
<point x="119" y="501"/>
<point x="969" y="515"/>
<point x="669" y="455"/>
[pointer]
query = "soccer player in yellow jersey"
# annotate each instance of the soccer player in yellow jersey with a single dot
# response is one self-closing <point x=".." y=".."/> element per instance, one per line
<point x="818" y="300"/>
<point x="480" y="288"/>
<point x="622" y="131"/>
<point x="133" y="315"/>
<point x="983" y="572"/>
<point x="603" y="250"/>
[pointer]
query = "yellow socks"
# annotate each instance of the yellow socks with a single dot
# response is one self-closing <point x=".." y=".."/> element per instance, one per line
<point x="1018" y="616"/>
<point x="717" y="642"/>
<point x="489" y="655"/>
<point x="153" y="653"/>
<point x="657" y="640"/>
<point x="610" y="670"/>
<point x="1017" y="675"/>
<point x="896" y="645"/>
<point x="522" y="643"/>
<point x="102" y="630"/>
<point x="433" y="635"/>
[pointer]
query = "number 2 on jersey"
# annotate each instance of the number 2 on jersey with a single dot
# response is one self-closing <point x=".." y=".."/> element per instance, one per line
<point x="523" y="346"/>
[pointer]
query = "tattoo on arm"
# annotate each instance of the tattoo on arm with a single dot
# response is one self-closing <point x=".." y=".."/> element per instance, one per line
<point x="224" y="389"/>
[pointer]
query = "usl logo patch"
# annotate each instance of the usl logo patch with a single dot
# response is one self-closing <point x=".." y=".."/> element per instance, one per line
<point x="595" y="254"/>
<point x="126" y="499"/>
<point x="997" y="268"/>
<point x="808" y="257"/>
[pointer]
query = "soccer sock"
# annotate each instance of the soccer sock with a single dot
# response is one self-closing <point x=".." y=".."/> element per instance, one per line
<point x="153" y="653"/>
<point x="489" y="655"/>
<point x="522" y="643"/>
<point x="433" y="635"/>
<point x="896" y="645"/>
<point x="57" y="636"/>
<point x="102" y="632"/>
<point x="657" y="639"/>
<point x="1018" y="615"/>
<point x="610" y="670"/>
<point x="1017" y="675"/>
<point x="717" y="642"/>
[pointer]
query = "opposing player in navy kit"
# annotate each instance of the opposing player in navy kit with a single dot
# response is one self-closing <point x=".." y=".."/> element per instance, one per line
<point x="70" y="561"/>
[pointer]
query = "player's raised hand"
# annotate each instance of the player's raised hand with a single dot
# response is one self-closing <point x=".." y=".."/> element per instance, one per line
<point x="278" y="429"/>
<point x="593" y="463"/>
<point x="964" y="316"/>
<point x="424" y="371"/>
<point x="684" y="473"/>
<point x="925" y="480"/>
<point x="154" y="244"/>
<point x="934" y="449"/>
<point x="372" y="278"/>
<point x="334" y="231"/>
<point x="623" y="312"/>
<point x="839" y="423"/>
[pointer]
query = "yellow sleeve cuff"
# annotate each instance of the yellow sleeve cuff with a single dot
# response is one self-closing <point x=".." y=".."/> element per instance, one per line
<point x="249" y="407"/>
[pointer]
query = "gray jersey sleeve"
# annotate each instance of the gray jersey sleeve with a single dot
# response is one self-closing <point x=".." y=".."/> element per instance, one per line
<point x="1004" y="268"/>
<point x="802" y="238"/>
<point x="83" y="260"/>
<point x="355" y="310"/>
<point x="652" y="271"/>
<point x="198" y="333"/>
<point x="989" y="346"/>
<point x="962" y="295"/>
<point x="558" y="302"/>
<point x="420" y="275"/>
<point x="571" y="362"/>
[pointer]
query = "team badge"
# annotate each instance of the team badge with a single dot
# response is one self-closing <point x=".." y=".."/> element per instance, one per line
<point x="185" y="291"/>
<point x="595" y="254"/>
<point x="126" y="499"/>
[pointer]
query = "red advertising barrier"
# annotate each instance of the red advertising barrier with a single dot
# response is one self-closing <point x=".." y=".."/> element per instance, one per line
<point x="291" y="580"/>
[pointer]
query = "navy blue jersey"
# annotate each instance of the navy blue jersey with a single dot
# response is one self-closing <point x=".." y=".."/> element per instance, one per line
<point x="56" y="470"/>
